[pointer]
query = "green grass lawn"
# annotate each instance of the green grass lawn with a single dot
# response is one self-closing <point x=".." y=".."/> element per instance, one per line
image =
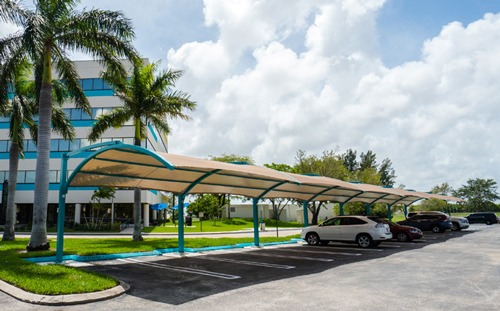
<point x="223" y="225"/>
<point x="59" y="279"/>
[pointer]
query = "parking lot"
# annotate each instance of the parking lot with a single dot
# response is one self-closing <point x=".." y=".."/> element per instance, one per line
<point x="448" y="271"/>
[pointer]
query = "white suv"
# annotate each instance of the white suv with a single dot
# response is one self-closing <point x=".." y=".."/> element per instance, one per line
<point x="364" y="231"/>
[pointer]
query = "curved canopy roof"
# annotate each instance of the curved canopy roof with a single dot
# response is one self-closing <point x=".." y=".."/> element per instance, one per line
<point x="127" y="166"/>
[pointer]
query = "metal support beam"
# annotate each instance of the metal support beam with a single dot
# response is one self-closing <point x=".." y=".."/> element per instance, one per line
<point x="306" y="215"/>
<point x="341" y="209"/>
<point x="180" y="228"/>
<point x="389" y="215"/>
<point x="368" y="209"/>
<point x="255" y="222"/>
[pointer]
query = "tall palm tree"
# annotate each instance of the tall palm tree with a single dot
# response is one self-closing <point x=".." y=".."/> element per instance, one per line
<point x="22" y="109"/>
<point x="48" y="33"/>
<point x="146" y="99"/>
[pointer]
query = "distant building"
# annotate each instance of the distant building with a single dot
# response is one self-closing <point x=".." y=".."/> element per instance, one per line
<point x="102" y="99"/>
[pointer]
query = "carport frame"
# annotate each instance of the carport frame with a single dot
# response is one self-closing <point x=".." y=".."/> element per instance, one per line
<point x="205" y="168"/>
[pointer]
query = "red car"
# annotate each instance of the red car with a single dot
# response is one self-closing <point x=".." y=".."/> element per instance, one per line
<point x="403" y="233"/>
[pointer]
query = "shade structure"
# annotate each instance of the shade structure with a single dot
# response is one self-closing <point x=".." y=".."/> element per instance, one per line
<point x="127" y="166"/>
<point x="119" y="165"/>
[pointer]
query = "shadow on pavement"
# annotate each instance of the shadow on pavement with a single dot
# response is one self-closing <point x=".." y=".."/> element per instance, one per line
<point x="179" y="279"/>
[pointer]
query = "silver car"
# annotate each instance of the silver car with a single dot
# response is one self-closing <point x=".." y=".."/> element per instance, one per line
<point x="364" y="231"/>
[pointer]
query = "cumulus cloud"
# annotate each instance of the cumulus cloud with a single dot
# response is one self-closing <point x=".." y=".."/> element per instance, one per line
<point x="434" y="118"/>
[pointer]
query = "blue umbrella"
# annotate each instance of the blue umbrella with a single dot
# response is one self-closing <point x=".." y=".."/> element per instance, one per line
<point x="159" y="206"/>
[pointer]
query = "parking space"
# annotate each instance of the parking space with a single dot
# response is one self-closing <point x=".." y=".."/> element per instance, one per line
<point x="177" y="279"/>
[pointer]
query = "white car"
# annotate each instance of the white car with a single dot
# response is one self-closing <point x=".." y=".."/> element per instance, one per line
<point x="365" y="231"/>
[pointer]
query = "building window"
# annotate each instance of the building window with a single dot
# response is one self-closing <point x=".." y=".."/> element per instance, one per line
<point x="30" y="177"/>
<point x="4" y="146"/>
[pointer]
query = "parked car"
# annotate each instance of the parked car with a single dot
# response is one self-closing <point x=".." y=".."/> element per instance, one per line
<point x="457" y="223"/>
<point x="366" y="232"/>
<point x="482" y="217"/>
<point x="403" y="233"/>
<point x="435" y="222"/>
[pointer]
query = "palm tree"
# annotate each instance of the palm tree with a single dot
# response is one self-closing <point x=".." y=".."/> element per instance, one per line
<point x="48" y="33"/>
<point x="22" y="110"/>
<point x="147" y="99"/>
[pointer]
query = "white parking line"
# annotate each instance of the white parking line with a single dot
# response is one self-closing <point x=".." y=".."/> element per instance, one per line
<point x="317" y="252"/>
<point x="389" y="245"/>
<point x="350" y="248"/>
<point x="250" y="263"/>
<point x="291" y="257"/>
<point x="182" y="269"/>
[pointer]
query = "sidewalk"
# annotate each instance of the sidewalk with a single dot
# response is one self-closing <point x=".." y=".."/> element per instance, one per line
<point x="127" y="232"/>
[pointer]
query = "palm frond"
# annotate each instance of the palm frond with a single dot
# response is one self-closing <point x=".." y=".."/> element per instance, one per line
<point x="61" y="124"/>
<point x="113" y="119"/>
<point x="70" y="79"/>
<point x="13" y="12"/>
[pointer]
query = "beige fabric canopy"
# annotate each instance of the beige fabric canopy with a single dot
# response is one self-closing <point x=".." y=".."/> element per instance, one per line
<point x="127" y="166"/>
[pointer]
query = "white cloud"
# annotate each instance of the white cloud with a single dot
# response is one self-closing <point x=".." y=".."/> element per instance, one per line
<point x="434" y="118"/>
<point x="7" y="29"/>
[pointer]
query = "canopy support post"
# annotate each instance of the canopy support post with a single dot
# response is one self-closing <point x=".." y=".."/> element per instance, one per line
<point x="341" y="209"/>
<point x="306" y="215"/>
<point x="61" y="210"/>
<point x="406" y="210"/>
<point x="255" y="222"/>
<point x="367" y="209"/>
<point x="180" y="228"/>
<point x="389" y="215"/>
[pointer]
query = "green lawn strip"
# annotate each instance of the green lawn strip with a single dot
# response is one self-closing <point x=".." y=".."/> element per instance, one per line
<point x="232" y="224"/>
<point x="59" y="279"/>
<point x="46" y="279"/>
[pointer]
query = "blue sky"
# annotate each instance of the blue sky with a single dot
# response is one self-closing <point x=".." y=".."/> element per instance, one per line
<point x="405" y="24"/>
<point x="415" y="81"/>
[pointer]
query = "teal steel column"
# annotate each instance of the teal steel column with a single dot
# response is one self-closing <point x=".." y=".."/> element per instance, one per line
<point x="306" y="215"/>
<point x="367" y="209"/>
<point x="389" y="216"/>
<point x="180" y="229"/>
<point x="63" y="190"/>
<point x="341" y="209"/>
<point x="255" y="223"/>
<point x="406" y="210"/>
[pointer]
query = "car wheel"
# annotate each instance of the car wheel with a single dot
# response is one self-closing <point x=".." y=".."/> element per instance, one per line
<point x="436" y="229"/>
<point x="402" y="237"/>
<point x="488" y="222"/>
<point x="364" y="240"/>
<point x="312" y="238"/>
<point x="455" y="227"/>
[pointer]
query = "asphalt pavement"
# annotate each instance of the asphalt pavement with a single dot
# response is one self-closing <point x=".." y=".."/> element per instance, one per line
<point x="449" y="271"/>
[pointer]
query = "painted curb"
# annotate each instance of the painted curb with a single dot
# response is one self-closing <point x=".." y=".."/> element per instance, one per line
<point x="62" y="300"/>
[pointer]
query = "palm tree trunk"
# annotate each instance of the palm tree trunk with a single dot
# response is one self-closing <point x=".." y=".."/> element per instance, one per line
<point x="137" y="236"/>
<point x="38" y="239"/>
<point x="10" y="222"/>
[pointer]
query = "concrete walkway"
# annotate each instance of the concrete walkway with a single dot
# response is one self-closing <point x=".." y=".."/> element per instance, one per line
<point x="269" y="232"/>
